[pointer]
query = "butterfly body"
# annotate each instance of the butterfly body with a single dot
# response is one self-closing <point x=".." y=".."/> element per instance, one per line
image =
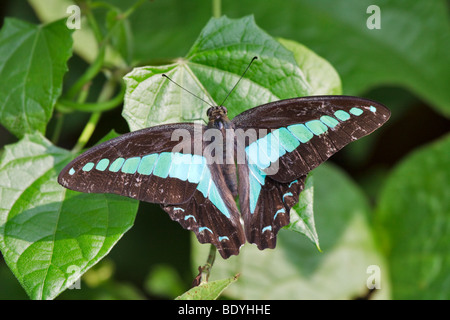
<point x="218" y="119"/>
<point x="261" y="156"/>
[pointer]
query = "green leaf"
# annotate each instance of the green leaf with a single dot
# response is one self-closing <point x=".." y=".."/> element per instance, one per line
<point x="32" y="65"/>
<point x="85" y="44"/>
<point x="212" y="67"/>
<point x="208" y="291"/>
<point x="409" y="51"/>
<point x="398" y="54"/>
<point x="50" y="236"/>
<point x="302" y="214"/>
<point x="295" y="269"/>
<point x="413" y="221"/>
<point x="320" y="74"/>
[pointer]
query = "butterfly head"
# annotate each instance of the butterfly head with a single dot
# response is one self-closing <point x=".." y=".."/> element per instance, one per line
<point x="216" y="112"/>
<point x="217" y="116"/>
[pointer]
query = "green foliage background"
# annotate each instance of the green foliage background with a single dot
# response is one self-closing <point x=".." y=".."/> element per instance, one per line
<point x="383" y="200"/>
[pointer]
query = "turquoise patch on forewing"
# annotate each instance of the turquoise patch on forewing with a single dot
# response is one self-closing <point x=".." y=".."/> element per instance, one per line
<point x="198" y="164"/>
<point x="329" y="121"/>
<point x="271" y="147"/>
<point x="163" y="164"/>
<point x="88" y="166"/>
<point x="71" y="171"/>
<point x="102" y="165"/>
<point x="372" y="108"/>
<point x="342" y="115"/>
<point x="317" y="127"/>
<point x="180" y="166"/>
<point x="130" y="166"/>
<point x="301" y="132"/>
<point x="286" y="139"/>
<point x="257" y="156"/>
<point x="275" y="143"/>
<point x="116" y="165"/>
<point x="223" y="238"/>
<point x="268" y="228"/>
<point x="147" y="164"/>
<point x="356" y="111"/>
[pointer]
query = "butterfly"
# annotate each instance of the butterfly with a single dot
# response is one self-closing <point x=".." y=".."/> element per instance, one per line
<point x="260" y="157"/>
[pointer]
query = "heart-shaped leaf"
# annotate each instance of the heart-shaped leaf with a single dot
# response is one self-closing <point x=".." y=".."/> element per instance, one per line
<point x="210" y="70"/>
<point x="319" y="73"/>
<point x="32" y="65"/>
<point x="50" y="236"/>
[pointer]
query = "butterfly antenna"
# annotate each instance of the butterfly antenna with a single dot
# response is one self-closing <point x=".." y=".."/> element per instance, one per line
<point x="165" y="76"/>
<point x="254" y="58"/>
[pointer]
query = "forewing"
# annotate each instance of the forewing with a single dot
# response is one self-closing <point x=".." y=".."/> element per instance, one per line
<point x="140" y="165"/>
<point x="296" y="135"/>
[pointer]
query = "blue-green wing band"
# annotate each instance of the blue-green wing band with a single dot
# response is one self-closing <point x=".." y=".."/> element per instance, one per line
<point x="304" y="132"/>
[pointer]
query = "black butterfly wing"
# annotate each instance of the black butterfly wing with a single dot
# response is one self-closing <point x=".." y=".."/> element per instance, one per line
<point x="291" y="138"/>
<point x="271" y="202"/>
<point x="209" y="220"/>
<point x="136" y="165"/>
<point x="309" y="130"/>
<point x="149" y="165"/>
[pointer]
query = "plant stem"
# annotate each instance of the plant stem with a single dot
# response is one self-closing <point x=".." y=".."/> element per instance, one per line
<point x="216" y="8"/>
<point x="93" y="23"/>
<point x="97" y="65"/>
<point x="105" y="94"/>
<point x="65" y="105"/>
<point x="206" y="270"/>
<point x="87" y="132"/>
<point x="90" y="74"/>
